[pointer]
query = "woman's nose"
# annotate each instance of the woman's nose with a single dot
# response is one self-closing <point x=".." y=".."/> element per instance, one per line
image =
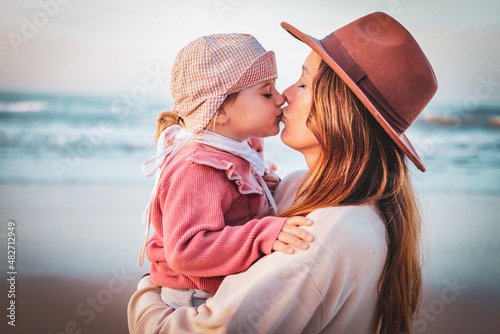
<point x="287" y="95"/>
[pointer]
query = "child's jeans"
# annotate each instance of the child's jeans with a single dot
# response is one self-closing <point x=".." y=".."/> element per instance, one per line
<point x="184" y="297"/>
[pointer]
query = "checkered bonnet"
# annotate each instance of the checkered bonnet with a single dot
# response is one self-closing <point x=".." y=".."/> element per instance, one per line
<point x="210" y="68"/>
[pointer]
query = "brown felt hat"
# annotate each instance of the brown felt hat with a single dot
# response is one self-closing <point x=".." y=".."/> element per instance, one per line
<point x="384" y="66"/>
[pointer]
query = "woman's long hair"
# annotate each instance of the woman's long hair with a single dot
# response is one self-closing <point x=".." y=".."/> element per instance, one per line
<point x="359" y="163"/>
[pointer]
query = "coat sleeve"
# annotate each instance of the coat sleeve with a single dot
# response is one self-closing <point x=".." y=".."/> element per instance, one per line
<point x="197" y="242"/>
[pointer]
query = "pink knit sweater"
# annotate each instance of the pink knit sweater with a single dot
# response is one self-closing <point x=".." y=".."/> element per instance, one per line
<point x="208" y="220"/>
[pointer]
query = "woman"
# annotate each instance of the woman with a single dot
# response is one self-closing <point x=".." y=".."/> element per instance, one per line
<point x="360" y="89"/>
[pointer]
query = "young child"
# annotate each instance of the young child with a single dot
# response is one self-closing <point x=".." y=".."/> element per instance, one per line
<point x="209" y="204"/>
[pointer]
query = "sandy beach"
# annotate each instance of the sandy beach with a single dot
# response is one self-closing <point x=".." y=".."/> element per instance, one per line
<point x="76" y="250"/>
<point x="77" y="245"/>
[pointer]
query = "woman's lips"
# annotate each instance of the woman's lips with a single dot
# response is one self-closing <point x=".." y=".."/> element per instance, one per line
<point x="282" y="116"/>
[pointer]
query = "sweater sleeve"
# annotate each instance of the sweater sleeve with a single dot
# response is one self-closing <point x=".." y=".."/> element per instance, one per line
<point x="197" y="241"/>
<point x="331" y="287"/>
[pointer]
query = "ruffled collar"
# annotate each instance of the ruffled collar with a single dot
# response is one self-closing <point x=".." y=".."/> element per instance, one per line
<point x="178" y="137"/>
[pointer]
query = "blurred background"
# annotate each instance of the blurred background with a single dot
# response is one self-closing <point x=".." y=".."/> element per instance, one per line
<point x="81" y="84"/>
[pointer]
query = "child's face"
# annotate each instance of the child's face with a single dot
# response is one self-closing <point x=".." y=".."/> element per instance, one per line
<point x="255" y="112"/>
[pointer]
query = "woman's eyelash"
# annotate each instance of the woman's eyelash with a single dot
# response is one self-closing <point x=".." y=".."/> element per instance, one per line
<point x="302" y="86"/>
<point x="268" y="95"/>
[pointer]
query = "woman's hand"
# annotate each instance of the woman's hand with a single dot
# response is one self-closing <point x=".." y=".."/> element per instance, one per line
<point x="292" y="235"/>
<point x="272" y="180"/>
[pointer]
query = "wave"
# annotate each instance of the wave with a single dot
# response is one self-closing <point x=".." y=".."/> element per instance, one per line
<point x="437" y="119"/>
<point x="23" y="106"/>
<point x="480" y="117"/>
<point x="37" y="132"/>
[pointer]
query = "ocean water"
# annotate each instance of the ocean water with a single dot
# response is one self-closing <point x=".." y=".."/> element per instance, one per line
<point x="84" y="139"/>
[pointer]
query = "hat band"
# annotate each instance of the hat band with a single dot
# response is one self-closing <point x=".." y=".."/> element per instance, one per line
<point x="339" y="54"/>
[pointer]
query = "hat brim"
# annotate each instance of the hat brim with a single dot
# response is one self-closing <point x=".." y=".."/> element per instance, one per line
<point x="401" y="140"/>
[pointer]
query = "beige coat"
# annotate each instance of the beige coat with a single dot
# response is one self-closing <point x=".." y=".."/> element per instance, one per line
<point x="329" y="288"/>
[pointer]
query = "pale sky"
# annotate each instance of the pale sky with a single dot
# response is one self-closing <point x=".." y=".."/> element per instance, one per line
<point x="107" y="47"/>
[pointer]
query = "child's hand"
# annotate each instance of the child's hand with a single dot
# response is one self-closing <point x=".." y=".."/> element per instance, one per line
<point x="272" y="180"/>
<point x="292" y="235"/>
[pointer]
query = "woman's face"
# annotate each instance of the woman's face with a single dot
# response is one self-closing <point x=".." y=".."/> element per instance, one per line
<point x="298" y="96"/>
